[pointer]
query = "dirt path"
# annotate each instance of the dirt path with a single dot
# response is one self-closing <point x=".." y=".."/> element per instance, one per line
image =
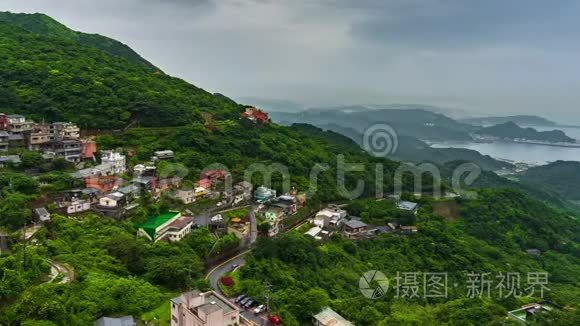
<point x="57" y="269"/>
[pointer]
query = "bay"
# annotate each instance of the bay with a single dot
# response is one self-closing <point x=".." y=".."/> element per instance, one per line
<point x="517" y="152"/>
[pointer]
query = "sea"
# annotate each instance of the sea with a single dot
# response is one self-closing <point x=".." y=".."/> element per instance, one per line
<point x="526" y="153"/>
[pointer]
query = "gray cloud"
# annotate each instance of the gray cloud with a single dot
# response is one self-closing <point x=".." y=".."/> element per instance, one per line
<point x="493" y="56"/>
<point x="459" y="23"/>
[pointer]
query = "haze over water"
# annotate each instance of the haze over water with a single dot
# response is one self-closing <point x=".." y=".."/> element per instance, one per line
<point x="528" y="153"/>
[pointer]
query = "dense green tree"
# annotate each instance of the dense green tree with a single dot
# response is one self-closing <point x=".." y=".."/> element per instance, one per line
<point x="14" y="212"/>
<point x="31" y="159"/>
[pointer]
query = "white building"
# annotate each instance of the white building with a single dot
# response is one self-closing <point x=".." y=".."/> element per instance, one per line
<point x="42" y="214"/>
<point x="77" y="206"/>
<point x="116" y="160"/>
<point x="162" y="155"/>
<point x="112" y="200"/>
<point x="141" y="170"/>
<point x="331" y="216"/>
<point x="217" y="219"/>
<point x="186" y="196"/>
<point x="179" y="228"/>
<point x="314" y="232"/>
<point x="170" y="226"/>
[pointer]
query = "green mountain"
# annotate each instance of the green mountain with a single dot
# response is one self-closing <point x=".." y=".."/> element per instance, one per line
<point x="45" y="25"/>
<point x="49" y="76"/>
<point x="562" y="178"/>
<point x="510" y="130"/>
<point x="522" y="120"/>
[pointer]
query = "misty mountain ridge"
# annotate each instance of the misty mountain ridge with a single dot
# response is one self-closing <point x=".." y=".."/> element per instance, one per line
<point x="414" y="122"/>
<point x="510" y="130"/>
<point x="521" y="120"/>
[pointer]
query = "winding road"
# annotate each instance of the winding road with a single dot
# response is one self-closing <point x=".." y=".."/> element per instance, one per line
<point x="214" y="275"/>
<point x="57" y="269"/>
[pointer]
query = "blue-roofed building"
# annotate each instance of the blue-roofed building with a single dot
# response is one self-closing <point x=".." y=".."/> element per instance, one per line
<point x="408" y="206"/>
<point x="121" y="321"/>
<point x="264" y="194"/>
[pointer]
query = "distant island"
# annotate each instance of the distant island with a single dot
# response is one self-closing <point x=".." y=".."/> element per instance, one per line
<point x="511" y="131"/>
<point x="521" y="120"/>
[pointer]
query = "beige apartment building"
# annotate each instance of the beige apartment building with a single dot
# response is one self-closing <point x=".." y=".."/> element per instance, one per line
<point x="203" y="309"/>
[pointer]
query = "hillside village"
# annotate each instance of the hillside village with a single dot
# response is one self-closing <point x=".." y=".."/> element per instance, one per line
<point x="110" y="183"/>
<point x="106" y="184"/>
<point x="129" y="197"/>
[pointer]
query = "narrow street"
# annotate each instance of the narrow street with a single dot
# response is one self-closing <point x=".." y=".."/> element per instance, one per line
<point x="214" y="275"/>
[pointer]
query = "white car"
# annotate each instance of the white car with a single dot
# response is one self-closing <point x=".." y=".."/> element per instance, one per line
<point x="259" y="309"/>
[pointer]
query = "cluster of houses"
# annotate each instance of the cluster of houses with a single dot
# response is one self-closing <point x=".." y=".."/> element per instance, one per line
<point x="57" y="139"/>
<point x="111" y="189"/>
<point x="274" y="209"/>
<point x="335" y="219"/>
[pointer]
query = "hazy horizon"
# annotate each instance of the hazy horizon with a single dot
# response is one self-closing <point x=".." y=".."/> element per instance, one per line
<point x="488" y="58"/>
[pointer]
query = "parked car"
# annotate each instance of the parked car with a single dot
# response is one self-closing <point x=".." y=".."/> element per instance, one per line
<point x="259" y="309"/>
<point x="234" y="266"/>
<point x="240" y="298"/>
<point x="244" y="301"/>
<point x="249" y="303"/>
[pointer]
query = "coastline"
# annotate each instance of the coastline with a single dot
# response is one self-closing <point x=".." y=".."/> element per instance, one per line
<point x="536" y="142"/>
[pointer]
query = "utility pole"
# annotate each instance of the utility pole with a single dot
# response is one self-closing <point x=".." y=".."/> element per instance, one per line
<point x="23" y="244"/>
<point x="10" y="185"/>
<point x="267" y="294"/>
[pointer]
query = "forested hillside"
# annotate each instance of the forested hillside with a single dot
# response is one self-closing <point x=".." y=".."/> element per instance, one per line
<point x="45" y="25"/>
<point x="490" y="237"/>
<point x="560" y="177"/>
<point x="53" y="78"/>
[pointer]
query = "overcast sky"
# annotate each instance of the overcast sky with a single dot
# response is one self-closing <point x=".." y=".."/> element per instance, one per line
<point x="489" y="56"/>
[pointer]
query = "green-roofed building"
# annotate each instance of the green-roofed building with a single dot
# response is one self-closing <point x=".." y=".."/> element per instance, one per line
<point x="167" y="224"/>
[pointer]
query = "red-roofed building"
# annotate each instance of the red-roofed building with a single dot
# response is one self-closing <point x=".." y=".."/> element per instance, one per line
<point x="209" y="177"/>
<point x="256" y="115"/>
<point x="103" y="183"/>
<point x="204" y="183"/>
<point x="214" y="174"/>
